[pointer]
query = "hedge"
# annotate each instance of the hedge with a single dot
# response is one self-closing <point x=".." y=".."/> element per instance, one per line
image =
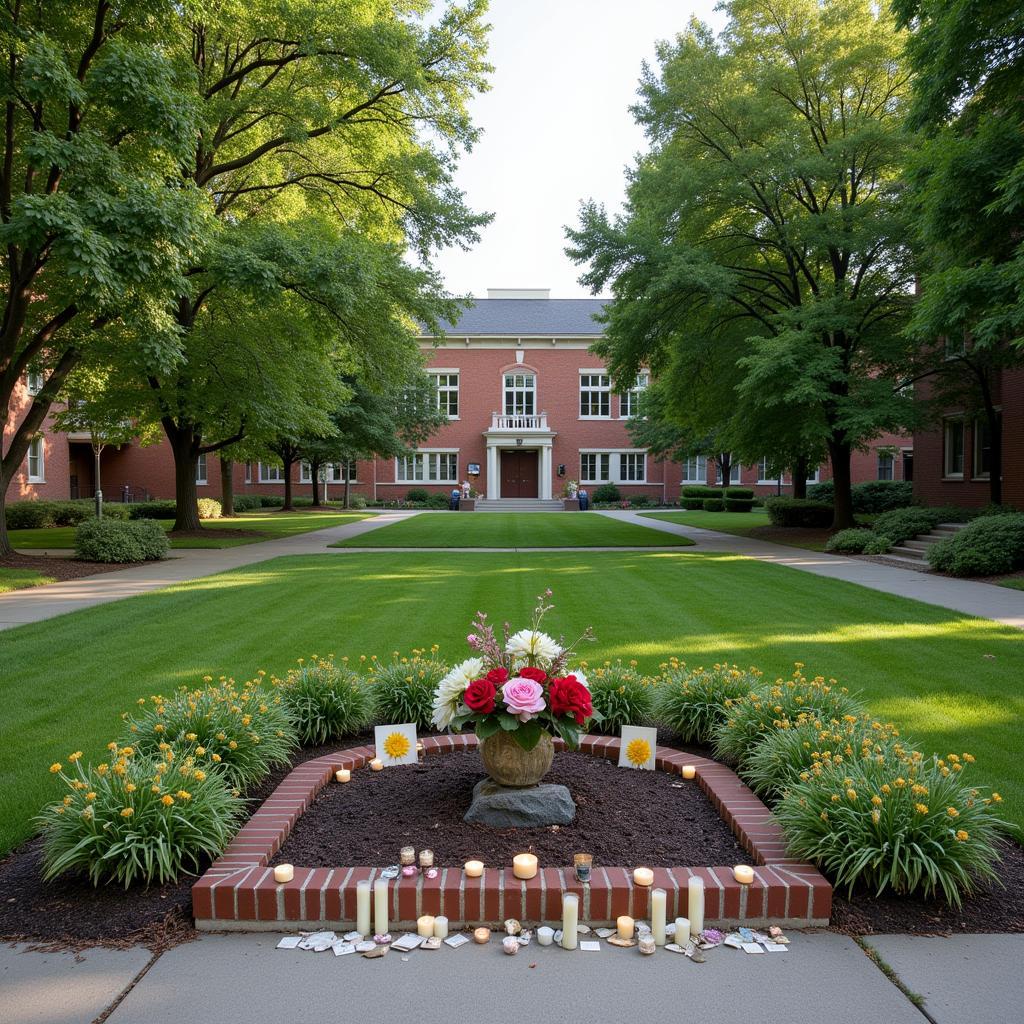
<point x="869" y="497"/>
<point x="738" y="504"/>
<point x="985" y="547"/>
<point x="43" y="514"/>
<point x="739" y="493"/>
<point x="700" y="491"/>
<point x="713" y="504"/>
<point x="785" y="511"/>
<point x="108" y="540"/>
<point x="692" y="504"/>
<point x="153" y="510"/>
<point x="606" y="492"/>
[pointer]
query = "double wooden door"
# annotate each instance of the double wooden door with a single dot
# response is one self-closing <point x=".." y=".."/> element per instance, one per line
<point x="518" y="474"/>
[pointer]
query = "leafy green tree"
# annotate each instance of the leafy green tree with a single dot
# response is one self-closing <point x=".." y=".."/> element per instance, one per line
<point x="768" y="208"/>
<point x="99" y="115"/>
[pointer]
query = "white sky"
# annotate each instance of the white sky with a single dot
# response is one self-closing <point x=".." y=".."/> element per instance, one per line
<point x="557" y="130"/>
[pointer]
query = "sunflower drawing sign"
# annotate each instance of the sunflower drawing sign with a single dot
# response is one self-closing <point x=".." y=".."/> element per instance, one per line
<point x="396" y="744"/>
<point x="637" y="747"/>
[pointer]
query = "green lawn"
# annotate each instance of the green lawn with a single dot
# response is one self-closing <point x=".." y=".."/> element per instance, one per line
<point x="513" y="530"/>
<point x="1015" y="584"/>
<point x="270" y="525"/>
<point x="20" y="579"/>
<point x="738" y="523"/>
<point x="947" y="678"/>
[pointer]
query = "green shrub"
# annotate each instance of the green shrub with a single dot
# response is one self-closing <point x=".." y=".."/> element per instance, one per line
<point x="246" y="730"/>
<point x="116" y="824"/>
<point x="693" y="704"/>
<point x="870" y="497"/>
<point x="877" y="546"/>
<point x="271" y="500"/>
<point x="403" y="689"/>
<point x="606" y="492"/>
<point x="71" y="513"/>
<point x="109" y="540"/>
<point x="30" y="515"/>
<point x="713" y="504"/>
<point x="785" y="511"/>
<point x="417" y="494"/>
<point x="640" y="501"/>
<point x="904" y="824"/>
<point x="247" y="502"/>
<point x="903" y="523"/>
<point x="621" y="694"/>
<point x="738" y="504"/>
<point x="701" y="491"/>
<point x="357" y="501"/>
<point x="738" y="493"/>
<point x="986" y="546"/>
<point x="153" y="510"/>
<point x="325" y="701"/>
<point x="209" y="508"/>
<point x="111" y="510"/>
<point x="850" y="542"/>
<point x="751" y="717"/>
<point x="438" y="501"/>
<point x="692" y="504"/>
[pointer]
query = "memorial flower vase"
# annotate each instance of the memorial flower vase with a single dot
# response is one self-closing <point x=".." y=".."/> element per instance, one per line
<point x="509" y="765"/>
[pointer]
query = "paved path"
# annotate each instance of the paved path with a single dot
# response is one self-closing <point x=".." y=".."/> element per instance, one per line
<point x="982" y="599"/>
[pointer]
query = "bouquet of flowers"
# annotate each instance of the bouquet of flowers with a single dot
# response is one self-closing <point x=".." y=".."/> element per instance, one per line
<point x="523" y="685"/>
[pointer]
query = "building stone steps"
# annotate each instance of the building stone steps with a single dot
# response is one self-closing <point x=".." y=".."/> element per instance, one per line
<point x="518" y="505"/>
<point x="916" y="548"/>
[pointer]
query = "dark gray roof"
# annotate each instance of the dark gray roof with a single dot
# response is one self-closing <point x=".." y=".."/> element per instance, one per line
<point x="524" y="317"/>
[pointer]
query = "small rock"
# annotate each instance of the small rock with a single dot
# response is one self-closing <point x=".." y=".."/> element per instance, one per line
<point x="391" y="872"/>
<point x="614" y="940"/>
<point x="775" y="931"/>
<point x="510" y="944"/>
<point x="647" y="945"/>
<point x="674" y="947"/>
<point x="376" y="952"/>
<point x="365" y="947"/>
<point x="432" y="943"/>
<point x="512" y="927"/>
<point x="583" y="929"/>
<point x="605" y="933"/>
<point x="697" y="956"/>
<point x="382" y="940"/>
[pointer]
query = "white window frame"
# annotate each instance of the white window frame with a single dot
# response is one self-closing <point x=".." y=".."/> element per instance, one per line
<point x="626" y="471"/>
<point x="602" y="471"/>
<point x="977" y="426"/>
<point x="515" y="397"/>
<point x="266" y="470"/>
<point x="201" y="468"/>
<point x="880" y="456"/>
<point x="446" y="391"/>
<point x="429" y="461"/>
<point x="34" y="382"/>
<point x="36" y="454"/>
<point x="596" y="385"/>
<point x="762" y="473"/>
<point x="947" y="472"/>
<point x="337" y="473"/>
<point x="816" y="478"/>
<point x="609" y="460"/>
<point x="628" y="399"/>
<point x="248" y="472"/>
<point x="698" y="463"/>
<point x="735" y="473"/>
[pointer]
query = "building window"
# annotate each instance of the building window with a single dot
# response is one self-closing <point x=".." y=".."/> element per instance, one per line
<point x="335" y="473"/>
<point x="520" y="394"/>
<point x="632" y="467"/>
<point x="886" y="464"/>
<point x="248" y="472"/>
<point x="629" y="400"/>
<point x="595" y="467"/>
<point x="766" y="473"/>
<point x="428" y="467"/>
<point x="595" y="395"/>
<point x="982" y="463"/>
<point x="271" y="474"/>
<point x="695" y="470"/>
<point x="735" y="469"/>
<point x="953" y="449"/>
<point x="955" y="346"/>
<point x="815" y="476"/>
<point x="34" y="382"/>
<point x="201" y="469"/>
<point x="36" y="464"/>
<point x="447" y="387"/>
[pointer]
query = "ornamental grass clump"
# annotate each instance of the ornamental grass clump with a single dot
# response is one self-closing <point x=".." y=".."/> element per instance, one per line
<point x="620" y="695"/>
<point x="246" y="729"/>
<point x="324" y="700"/>
<point x="403" y="689"/>
<point x="904" y="823"/>
<point x="807" y="745"/>
<point x="694" y="703"/>
<point x="137" y="818"/>
<point x="759" y="712"/>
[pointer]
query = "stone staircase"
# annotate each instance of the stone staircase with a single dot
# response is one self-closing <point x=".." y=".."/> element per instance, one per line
<point x="916" y="549"/>
<point x="518" y="505"/>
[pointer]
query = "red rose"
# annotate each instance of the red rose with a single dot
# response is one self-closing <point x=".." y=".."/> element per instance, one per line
<point x="498" y="676"/>
<point x="569" y="696"/>
<point x="535" y="674"/>
<point x="479" y="696"/>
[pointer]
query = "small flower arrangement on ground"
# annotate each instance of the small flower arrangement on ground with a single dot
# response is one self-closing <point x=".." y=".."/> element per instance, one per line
<point x="523" y="685"/>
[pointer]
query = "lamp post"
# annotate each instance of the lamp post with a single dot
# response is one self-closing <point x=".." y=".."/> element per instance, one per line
<point x="97" y="451"/>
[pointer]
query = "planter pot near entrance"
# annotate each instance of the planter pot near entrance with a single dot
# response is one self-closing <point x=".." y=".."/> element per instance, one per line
<point x="571" y="504"/>
<point x="467" y="505"/>
<point x="509" y="765"/>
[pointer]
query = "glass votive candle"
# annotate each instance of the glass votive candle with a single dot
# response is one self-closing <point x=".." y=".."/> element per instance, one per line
<point x="426" y="858"/>
<point x="407" y="855"/>
<point x="583" y="864"/>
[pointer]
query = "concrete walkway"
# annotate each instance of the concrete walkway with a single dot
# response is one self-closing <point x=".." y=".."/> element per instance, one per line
<point x="823" y="976"/>
<point x="967" y="596"/>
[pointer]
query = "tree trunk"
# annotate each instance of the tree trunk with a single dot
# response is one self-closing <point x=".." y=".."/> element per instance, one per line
<point x="286" y="466"/>
<point x="314" y="472"/>
<point x="227" y="488"/>
<point x="348" y="483"/>
<point x="186" y="456"/>
<point x="839" y="454"/>
<point x="799" y="471"/>
<point x="5" y="541"/>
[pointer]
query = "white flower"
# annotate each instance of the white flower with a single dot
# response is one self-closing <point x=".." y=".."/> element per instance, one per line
<point x="448" y="694"/>
<point x="580" y="677"/>
<point x="529" y="644"/>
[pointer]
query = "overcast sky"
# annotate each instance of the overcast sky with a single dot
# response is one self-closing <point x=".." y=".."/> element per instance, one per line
<point x="557" y="129"/>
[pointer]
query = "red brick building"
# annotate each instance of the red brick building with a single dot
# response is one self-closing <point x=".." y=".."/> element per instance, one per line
<point x="529" y="407"/>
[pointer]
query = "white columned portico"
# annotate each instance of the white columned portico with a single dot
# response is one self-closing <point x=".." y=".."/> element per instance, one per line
<point x="493" y="480"/>
<point x="545" y="472"/>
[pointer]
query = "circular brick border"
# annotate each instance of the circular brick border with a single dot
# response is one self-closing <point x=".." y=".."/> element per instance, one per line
<point x="238" y="892"/>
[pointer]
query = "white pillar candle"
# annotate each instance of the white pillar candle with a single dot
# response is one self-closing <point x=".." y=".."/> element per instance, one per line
<point x="473" y="868"/>
<point x="659" y="905"/>
<point x="743" y="873"/>
<point x="284" y="873"/>
<point x="625" y="927"/>
<point x="545" y="935"/>
<point x="380" y="906"/>
<point x="524" y="865"/>
<point x="695" y="904"/>
<point x="363" y="907"/>
<point x="682" y="930"/>
<point x="570" y="920"/>
<point x="376" y="765"/>
<point x="343" y="775"/>
<point x="689" y="772"/>
<point x="643" y="876"/>
<point x="440" y="927"/>
<point x="425" y="926"/>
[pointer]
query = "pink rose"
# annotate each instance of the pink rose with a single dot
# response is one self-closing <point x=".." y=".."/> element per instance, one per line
<point x="523" y="697"/>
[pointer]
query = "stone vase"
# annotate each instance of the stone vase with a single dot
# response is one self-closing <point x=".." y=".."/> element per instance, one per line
<point x="509" y="765"/>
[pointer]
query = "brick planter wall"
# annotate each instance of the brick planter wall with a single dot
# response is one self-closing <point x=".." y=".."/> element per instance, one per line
<point x="239" y="893"/>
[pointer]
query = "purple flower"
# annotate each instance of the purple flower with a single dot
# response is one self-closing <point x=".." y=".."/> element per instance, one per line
<point x="523" y="698"/>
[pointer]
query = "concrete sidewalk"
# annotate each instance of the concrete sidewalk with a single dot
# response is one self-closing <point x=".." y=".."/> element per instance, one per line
<point x="967" y="596"/>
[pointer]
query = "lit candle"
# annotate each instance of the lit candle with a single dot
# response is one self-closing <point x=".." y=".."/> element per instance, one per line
<point x="363" y="907"/>
<point x="643" y="876"/>
<point x="343" y="775"/>
<point x="440" y="927"/>
<point x="380" y="906"/>
<point x="426" y="858"/>
<point x="682" y="930"/>
<point x="695" y="904"/>
<point x="524" y="865"/>
<point x="743" y="873"/>
<point x="376" y="765"/>
<point x="407" y="855"/>
<point x="545" y="935"/>
<point x="570" y="920"/>
<point x="284" y="873"/>
<point x="689" y="772"/>
<point x="659" y="904"/>
<point x="425" y="926"/>
<point x="625" y="926"/>
<point x="473" y="868"/>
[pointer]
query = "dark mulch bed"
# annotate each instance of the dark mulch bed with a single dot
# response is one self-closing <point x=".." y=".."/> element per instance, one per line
<point x="61" y="568"/>
<point x="213" y="534"/>
<point x="622" y="817"/>
<point x="792" y="536"/>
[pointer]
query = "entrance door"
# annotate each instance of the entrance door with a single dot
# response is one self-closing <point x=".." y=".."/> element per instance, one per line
<point x="518" y="474"/>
